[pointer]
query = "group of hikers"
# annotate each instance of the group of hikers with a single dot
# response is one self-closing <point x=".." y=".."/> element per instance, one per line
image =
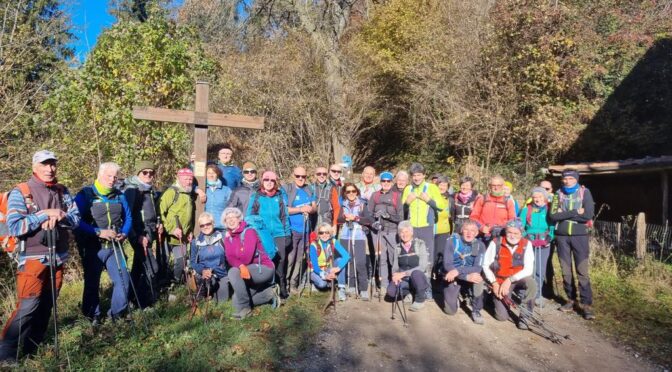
<point x="400" y="236"/>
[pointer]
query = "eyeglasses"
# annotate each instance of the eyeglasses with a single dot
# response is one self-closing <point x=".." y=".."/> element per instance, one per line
<point x="385" y="181"/>
<point x="268" y="180"/>
<point x="324" y="232"/>
<point x="147" y="172"/>
<point x="335" y="171"/>
<point x="497" y="185"/>
<point x="548" y="189"/>
<point x="350" y="191"/>
<point x="250" y="171"/>
<point x="204" y="225"/>
<point x="300" y="176"/>
<point x="321" y="174"/>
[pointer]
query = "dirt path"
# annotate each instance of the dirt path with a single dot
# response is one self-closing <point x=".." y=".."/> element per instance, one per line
<point x="361" y="336"/>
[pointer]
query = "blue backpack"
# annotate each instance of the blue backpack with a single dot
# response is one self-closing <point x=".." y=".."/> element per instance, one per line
<point x="257" y="223"/>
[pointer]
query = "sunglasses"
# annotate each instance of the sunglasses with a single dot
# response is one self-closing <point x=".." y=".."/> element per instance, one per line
<point x="203" y="225"/>
<point x="324" y="232"/>
<point x="350" y="191"/>
<point x="320" y="174"/>
<point x="268" y="180"/>
<point x="498" y="185"/>
<point x="335" y="171"/>
<point x="300" y="176"/>
<point x="385" y="181"/>
<point x="147" y="173"/>
<point x="250" y="171"/>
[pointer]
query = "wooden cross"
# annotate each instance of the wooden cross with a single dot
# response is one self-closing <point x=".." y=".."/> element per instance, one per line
<point x="201" y="118"/>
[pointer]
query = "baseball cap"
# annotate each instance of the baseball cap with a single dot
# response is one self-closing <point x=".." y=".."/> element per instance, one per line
<point x="42" y="156"/>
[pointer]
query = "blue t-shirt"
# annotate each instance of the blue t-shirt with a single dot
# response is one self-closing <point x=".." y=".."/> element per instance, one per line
<point x="296" y="220"/>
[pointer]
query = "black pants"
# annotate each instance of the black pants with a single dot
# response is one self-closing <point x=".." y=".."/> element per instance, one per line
<point x="417" y="284"/>
<point x="575" y="248"/>
<point x="284" y="245"/>
<point x="144" y="274"/>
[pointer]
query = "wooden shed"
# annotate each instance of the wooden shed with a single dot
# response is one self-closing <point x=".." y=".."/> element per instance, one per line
<point x="627" y="187"/>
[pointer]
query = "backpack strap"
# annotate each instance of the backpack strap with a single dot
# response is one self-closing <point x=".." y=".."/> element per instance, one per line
<point x="528" y="216"/>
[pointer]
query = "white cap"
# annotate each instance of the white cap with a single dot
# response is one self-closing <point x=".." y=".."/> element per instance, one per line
<point x="43" y="155"/>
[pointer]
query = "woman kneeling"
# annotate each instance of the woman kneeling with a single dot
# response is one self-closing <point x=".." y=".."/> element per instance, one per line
<point x="208" y="260"/>
<point x="326" y="266"/>
<point x="250" y="269"/>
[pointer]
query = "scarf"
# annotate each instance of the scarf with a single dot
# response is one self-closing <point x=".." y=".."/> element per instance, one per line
<point x="216" y="183"/>
<point x="102" y="190"/>
<point x="48" y="184"/>
<point x="251" y="184"/>
<point x="570" y="190"/>
<point x="464" y="197"/>
<point x="268" y="193"/>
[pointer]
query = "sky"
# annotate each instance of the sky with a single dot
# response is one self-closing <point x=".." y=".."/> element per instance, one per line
<point x="89" y="18"/>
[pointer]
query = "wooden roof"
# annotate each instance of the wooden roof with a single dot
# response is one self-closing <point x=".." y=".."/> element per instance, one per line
<point x="648" y="164"/>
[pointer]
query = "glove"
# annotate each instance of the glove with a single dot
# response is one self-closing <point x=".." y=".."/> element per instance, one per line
<point x="244" y="272"/>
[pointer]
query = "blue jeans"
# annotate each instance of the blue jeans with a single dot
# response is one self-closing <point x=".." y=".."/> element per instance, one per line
<point x="94" y="261"/>
<point x="322" y="284"/>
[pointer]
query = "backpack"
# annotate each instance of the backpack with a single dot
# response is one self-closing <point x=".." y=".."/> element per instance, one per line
<point x="8" y="242"/>
<point x="256" y="223"/>
<point x="395" y="198"/>
<point x="581" y="191"/>
<point x="319" y="251"/>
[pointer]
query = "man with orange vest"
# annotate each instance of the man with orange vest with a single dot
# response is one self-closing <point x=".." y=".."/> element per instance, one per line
<point x="508" y="265"/>
<point x="493" y="210"/>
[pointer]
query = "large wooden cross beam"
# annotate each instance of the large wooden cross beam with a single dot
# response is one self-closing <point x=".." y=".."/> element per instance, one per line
<point x="202" y="119"/>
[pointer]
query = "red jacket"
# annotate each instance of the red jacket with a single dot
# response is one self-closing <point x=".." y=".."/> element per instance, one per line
<point x="492" y="211"/>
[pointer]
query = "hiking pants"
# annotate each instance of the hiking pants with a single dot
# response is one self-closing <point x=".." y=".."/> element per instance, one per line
<point x="219" y="288"/>
<point x="356" y="269"/>
<point x="388" y="240"/>
<point x="322" y="284"/>
<point x="283" y="245"/>
<point x="257" y="290"/>
<point x="417" y="284"/>
<point x="541" y="255"/>
<point x="295" y="261"/>
<point x="94" y="261"/>
<point x="440" y="242"/>
<point x="426" y="234"/>
<point x="27" y="324"/>
<point x="451" y="292"/>
<point x="179" y="253"/>
<point x="528" y="286"/>
<point x="144" y="274"/>
<point x="576" y="248"/>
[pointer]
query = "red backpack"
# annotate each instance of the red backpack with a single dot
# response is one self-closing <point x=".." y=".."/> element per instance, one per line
<point x="8" y="242"/>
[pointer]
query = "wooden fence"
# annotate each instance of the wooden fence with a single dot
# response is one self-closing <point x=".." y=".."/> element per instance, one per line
<point x="634" y="236"/>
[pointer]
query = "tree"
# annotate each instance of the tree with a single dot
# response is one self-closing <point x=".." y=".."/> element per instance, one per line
<point x="154" y="63"/>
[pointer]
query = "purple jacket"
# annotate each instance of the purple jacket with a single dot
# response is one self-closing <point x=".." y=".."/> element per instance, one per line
<point x="248" y="252"/>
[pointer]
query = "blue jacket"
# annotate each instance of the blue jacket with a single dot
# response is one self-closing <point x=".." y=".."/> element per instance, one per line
<point x="207" y="252"/>
<point x="273" y="210"/>
<point x="326" y="254"/>
<point x="231" y="175"/>
<point x="84" y="200"/>
<point x="218" y="198"/>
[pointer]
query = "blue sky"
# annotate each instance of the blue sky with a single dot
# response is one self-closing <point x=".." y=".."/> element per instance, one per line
<point x="89" y="18"/>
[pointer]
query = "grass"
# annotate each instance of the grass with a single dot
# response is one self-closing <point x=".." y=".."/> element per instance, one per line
<point x="166" y="339"/>
<point x="633" y="301"/>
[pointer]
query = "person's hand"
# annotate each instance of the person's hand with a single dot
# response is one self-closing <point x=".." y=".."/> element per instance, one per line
<point x="159" y="228"/>
<point x="107" y="234"/>
<point x="451" y="275"/>
<point x="202" y="197"/>
<point x="306" y="209"/>
<point x="120" y="237"/>
<point x="177" y="233"/>
<point x="495" y="290"/>
<point x="504" y="288"/>
<point x="144" y="241"/>
<point x="411" y="196"/>
<point x="333" y="272"/>
<point x="49" y="224"/>
<point x="486" y="229"/>
<point x="580" y="210"/>
<point x="56" y="213"/>
<point x="190" y="237"/>
<point x="206" y="274"/>
<point x="397" y="277"/>
<point x="349" y="217"/>
<point x="244" y="272"/>
<point x="424" y="197"/>
<point x="474" y="278"/>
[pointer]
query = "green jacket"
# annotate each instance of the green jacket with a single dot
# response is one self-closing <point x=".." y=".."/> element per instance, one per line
<point x="420" y="213"/>
<point x="181" y="207"/>
<point x="539" y="222"/>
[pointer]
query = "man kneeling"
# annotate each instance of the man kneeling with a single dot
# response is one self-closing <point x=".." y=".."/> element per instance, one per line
<point x="463" y="257"/>
<point x="508" y="266"/>
<point x="325" y="266"/>
<point x="409" y="268"/>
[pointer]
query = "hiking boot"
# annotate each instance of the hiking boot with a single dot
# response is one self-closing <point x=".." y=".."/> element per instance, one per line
<point x="539" y="302"/>
<point x="522" y="324"/>
<point x="283" y="293"/>
<point x="588" y="313"/>
<point x="242" y="313"/>
<point x="96" y="322"/>
<point x="477" y="317"/>
<point x="341" y="294"/>
<point x="429" y="296"/>
<point x="568" y="307"/>
<point x="275" y="301"/>
<point x="416" y="306"/>
<point x="364" y="295"/>
<point x="408" y="299"/>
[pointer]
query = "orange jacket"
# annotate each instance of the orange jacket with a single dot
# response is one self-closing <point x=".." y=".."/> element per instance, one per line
<point x="492" y="211"/>
<point x="508" y="264"/>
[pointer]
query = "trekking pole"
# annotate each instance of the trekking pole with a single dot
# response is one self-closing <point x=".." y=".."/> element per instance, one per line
<point x="540" y="280"/>
<point x="395" y="305"/>
<point x="51" y="242"/>
<point x="332" y="299"/>
<point x="208" y="285"/>
<point x="121" y="262"/>
<point x="306" y="235"/>
<point x="354" y="260"/>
